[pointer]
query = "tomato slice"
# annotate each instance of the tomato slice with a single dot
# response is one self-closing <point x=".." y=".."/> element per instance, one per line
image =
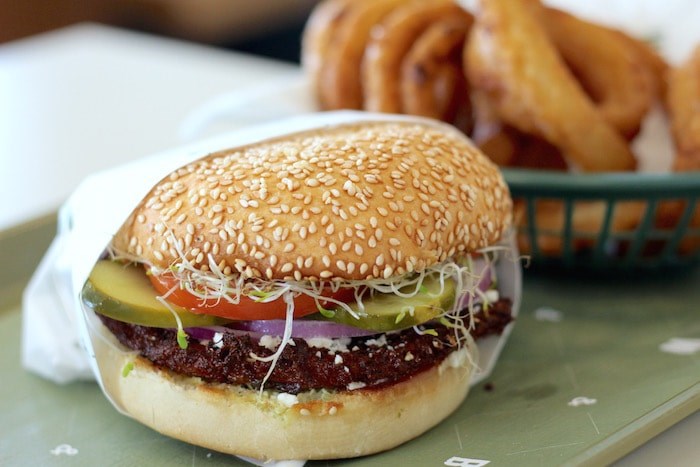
<point x="246" y="309"/>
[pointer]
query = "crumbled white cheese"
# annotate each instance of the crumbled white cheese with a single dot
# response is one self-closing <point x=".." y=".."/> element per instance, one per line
<point x="491" y="295"/>
<point x="356" y="385"/>
<point x="338" y="359"/>
<point x="379" y="342"/>
<point x="457" y="359"/>
<point x="409" y="356"/>
<point x="218" y="340"/>
<point x="332" y="345"/>
<point x="270" y="342"/>
<point x="287" y="399"/>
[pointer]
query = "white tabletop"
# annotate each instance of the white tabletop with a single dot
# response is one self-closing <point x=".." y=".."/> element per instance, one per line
<point x="91" y="97"/>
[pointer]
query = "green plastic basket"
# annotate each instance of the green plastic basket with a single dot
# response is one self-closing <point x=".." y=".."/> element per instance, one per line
<point x="648" y="244"/>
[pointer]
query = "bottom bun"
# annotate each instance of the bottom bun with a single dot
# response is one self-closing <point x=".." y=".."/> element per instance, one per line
<point x="314" y="425"/>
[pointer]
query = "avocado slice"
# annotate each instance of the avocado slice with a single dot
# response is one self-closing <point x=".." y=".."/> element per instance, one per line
<point x="389" y="312"/>
<point x="123" y="292"/>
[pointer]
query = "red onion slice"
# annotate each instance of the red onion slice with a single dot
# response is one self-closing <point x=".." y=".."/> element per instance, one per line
<point x="302" y="329"/>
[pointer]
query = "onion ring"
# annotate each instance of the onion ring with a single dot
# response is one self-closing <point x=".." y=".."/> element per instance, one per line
<point x="683" y="103"/>
<point x="340" y="85"/>
<point x="512" y="59"/>
<point x="390" y="41"/>
<point x="654" y="61"/>
<point x="432" y="82"/>
<point x="318" y="34"/>
<point x="610" y="68"/>
<point x="507" y="146"/>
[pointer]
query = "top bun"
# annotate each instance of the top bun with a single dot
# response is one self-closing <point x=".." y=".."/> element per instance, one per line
<point x="349" y="202"/>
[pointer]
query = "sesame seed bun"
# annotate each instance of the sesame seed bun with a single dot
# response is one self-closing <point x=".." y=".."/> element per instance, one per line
<point x="350" y="202"/>
<point x="235" y="420"/>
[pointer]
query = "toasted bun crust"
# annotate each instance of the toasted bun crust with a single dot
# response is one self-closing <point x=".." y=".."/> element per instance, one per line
<point x="234" y="420"/>
<point x="355" y="201"/>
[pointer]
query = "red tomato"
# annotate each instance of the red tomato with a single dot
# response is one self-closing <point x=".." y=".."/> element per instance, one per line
<point x="247" y="309"/>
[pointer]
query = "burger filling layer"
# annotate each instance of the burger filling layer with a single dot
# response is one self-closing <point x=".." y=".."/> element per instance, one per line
<point x="371" y="361"/>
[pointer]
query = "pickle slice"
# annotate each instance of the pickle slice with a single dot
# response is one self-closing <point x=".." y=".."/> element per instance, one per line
<point x="123" y="292"/>
<point x="389" y="312"/>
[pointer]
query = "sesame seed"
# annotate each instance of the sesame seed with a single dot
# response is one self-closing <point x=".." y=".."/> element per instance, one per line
<point x="439" y="190"/>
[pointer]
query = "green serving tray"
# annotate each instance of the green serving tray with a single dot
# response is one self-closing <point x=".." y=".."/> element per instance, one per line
<point x="606" y="347"/>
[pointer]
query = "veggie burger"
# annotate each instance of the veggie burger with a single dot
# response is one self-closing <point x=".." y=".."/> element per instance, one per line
<point x="292" y="298"/>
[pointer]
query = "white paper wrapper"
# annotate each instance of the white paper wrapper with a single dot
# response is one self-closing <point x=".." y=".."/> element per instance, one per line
<point x="59" y="343"/>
